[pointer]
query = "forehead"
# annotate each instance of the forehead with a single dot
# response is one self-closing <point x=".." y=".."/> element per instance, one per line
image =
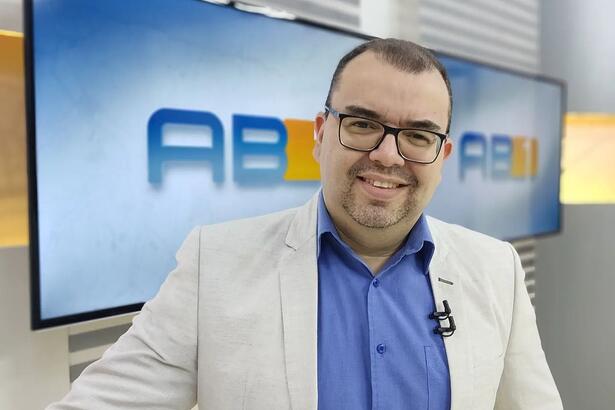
<point x="398" y="96"/>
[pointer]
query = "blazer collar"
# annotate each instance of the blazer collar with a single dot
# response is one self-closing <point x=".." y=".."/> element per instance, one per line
<point x="303" y="226"/>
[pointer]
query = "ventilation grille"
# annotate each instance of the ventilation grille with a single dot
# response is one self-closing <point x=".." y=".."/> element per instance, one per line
<point x="527" y="253"/>
<point x="504" y="33"/>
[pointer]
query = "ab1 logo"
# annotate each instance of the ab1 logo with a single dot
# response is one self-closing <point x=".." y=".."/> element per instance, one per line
<point x="288" y="154"/>
<point x="508" y="156"/>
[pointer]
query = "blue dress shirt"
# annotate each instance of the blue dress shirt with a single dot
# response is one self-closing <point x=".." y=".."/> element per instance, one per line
<point x="376" y="346"/>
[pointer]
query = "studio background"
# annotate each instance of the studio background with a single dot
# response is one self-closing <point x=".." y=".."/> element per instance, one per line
<point x="570" y="276"/>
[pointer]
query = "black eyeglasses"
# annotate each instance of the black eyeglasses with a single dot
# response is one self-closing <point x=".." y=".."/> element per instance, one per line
<point x="365" y="134"/>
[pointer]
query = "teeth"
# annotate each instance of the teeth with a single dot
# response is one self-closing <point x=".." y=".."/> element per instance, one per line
<point x="381" y="184"/>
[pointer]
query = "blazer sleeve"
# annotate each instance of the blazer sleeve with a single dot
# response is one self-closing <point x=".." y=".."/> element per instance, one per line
<point x="526" y="381"/>
<point x="154" y="364"/>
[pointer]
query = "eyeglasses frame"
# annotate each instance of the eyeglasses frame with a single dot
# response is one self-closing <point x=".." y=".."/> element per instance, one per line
<point x="387" y="130"/>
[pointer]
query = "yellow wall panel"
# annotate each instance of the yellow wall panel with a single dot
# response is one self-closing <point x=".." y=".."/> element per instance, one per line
<point x="588" y="160"/>
<point x="13" y="179"/>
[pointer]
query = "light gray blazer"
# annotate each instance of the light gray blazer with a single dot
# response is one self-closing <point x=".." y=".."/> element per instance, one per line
<point x="234" y="325"/>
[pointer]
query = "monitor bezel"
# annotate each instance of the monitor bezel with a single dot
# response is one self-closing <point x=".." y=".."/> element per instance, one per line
<point x="37" y="322"/>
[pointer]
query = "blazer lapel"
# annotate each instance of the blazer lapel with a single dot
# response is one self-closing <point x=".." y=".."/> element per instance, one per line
<point x="447" y="285"/>
<point x="299" y="295"/>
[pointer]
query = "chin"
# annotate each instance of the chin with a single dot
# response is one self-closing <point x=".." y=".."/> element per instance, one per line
<point x="377" y="214"/>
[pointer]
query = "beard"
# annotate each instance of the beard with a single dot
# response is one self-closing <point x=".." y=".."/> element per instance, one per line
<point x="376" y="214"/>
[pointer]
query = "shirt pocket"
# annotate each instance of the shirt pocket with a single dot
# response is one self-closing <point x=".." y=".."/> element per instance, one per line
<point x="438" y="380"/>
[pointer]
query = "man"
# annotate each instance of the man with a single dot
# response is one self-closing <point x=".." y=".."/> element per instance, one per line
<point x="331" y="305"/>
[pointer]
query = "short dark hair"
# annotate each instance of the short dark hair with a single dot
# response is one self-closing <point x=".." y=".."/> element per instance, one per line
<point x="402" y="54"/>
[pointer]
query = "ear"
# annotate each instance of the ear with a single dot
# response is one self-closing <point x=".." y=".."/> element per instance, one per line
<point x="448" y="148"/>
<point x="319" y="131"/>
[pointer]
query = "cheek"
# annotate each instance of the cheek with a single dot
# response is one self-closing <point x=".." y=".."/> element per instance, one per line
<point x="429" y="176"/>
<point x="335" y="160"/>
<point x="327" y="162"/>
<point x="331" y="170"/>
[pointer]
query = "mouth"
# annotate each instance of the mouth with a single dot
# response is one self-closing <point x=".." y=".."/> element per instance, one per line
<point x="382" y="183"/>
<point x="381" y="188"/>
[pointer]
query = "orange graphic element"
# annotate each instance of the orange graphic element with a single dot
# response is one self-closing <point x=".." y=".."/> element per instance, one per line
<point x="13" y="179"/>
<point x="301" y="164"/>
<point x="533" y="157"/>
<point x="524" y="157"/>
<point x="518" y="166"/>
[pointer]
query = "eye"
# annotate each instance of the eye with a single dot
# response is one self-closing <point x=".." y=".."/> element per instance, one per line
<point x="419" y="138"/>
<point x="363" y="124"/>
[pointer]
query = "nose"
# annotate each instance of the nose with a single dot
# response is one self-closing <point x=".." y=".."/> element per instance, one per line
<point x="386" y="153"/>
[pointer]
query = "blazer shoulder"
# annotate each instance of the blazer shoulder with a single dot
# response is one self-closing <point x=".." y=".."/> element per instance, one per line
<point x="481" y="255"/>
<point x="252" y="232"/>
<point x="449" y="232"/>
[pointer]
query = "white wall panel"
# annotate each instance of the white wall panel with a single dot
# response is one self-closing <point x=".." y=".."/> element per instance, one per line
<point x="33" y="366"/>
<point x="504" y="33"/>
<point x="10" y="15"/>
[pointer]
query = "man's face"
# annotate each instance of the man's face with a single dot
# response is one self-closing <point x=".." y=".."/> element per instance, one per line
<point x="380" y="189"/>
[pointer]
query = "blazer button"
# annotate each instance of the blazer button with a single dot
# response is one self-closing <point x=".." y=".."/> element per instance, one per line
<point x="381" y="348"/>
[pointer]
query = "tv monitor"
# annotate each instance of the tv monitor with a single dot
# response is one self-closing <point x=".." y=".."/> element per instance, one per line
<point x="149" y="117"/>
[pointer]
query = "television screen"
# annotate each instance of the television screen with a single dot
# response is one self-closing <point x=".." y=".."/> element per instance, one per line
<point x="147" y="118"/>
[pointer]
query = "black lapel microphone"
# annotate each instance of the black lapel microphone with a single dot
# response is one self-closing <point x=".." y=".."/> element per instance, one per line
<point x="442" y="316"/>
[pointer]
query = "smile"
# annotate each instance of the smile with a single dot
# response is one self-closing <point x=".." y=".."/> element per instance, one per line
<point x="381" y="184"/>
<point x="380" y="189"/>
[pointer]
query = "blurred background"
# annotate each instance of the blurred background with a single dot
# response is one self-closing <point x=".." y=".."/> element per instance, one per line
<point x="570" y="274"/>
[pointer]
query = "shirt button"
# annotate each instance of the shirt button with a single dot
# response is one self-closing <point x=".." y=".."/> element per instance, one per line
<point x="381" y="348"/>
<point x="376" y="283"/>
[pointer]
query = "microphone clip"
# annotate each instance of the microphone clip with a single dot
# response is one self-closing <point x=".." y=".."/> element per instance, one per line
<point x="442" y="316"/>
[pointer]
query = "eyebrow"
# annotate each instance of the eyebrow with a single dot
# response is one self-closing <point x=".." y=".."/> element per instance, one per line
<point x="427" y="125"/>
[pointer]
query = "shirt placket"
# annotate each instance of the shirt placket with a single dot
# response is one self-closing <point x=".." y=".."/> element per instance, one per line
<point x="377" y="346"/>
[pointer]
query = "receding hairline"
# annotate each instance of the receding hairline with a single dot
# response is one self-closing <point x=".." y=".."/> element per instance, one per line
<point x="404" y="55"/>
<point x="386" y="61"/>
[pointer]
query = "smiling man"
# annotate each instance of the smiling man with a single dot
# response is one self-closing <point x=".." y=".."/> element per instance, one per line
<point x="356" y="300"/>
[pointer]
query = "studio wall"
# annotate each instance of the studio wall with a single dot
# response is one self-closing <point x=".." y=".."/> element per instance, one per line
<point x="576" y="269"/>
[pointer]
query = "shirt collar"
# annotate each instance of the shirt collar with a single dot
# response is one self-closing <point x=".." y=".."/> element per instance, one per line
<point x="418" y="239"/>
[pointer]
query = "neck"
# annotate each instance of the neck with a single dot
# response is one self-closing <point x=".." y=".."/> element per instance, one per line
<point x="373" y="245"/>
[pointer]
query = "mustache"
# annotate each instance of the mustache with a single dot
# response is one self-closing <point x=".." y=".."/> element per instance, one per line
<point x="398" y="172"/>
